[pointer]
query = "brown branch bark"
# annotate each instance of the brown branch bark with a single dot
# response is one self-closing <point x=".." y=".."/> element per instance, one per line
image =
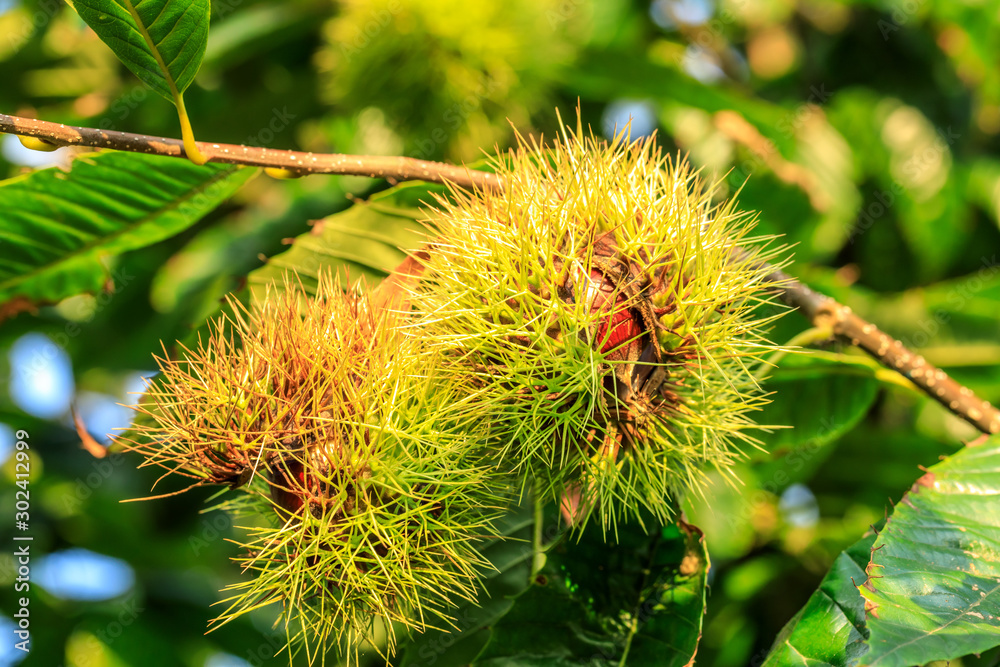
<point x="820" y="309"/>
<point x="824" y="311"/>
<point x="373" y="166"/>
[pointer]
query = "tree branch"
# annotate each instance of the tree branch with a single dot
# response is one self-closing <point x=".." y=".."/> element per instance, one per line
<point x="823" y="311"/>
<point x="819" y="309"/>
<point x="372" y="166"/>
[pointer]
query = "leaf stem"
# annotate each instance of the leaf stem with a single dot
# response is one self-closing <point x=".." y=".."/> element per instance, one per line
<point x="634" y="624"/>
<point x="187" y="134"/>
<point x="632" y="630"/>
<point x="190" y="147"/>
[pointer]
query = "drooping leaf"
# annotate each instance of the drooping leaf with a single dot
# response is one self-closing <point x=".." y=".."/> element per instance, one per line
<point x="830" y="628"/>
<point x="59" y="226"/>
<point x="637" y="600"/>
<point x="161" y="41"/>
<point x="367" y="240"/>
<point x="933" y="591"/>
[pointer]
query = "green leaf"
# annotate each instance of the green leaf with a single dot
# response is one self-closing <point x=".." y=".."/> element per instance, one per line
<point x="640" y="598"/>
<point x="366" y="240"/>
<point x="830" y="628"/>
<point x="60" y="227"/>
<point x="161" y="41"/>
<point x="511" y="561"/>
<point x="819" y="399"/>
<point x="547" y="625"/>
<point x="637" y="600"/>
<point x="933" y="591"/>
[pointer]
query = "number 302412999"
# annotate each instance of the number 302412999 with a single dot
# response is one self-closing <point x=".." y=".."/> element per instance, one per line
<point x="22" y="471"/>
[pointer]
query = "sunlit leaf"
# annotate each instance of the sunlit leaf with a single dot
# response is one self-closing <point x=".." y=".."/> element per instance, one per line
<point x="161" y="41"/>
<point x="933" y="591"/>
<point x="819" y="399"/>
<point x="830" y="628"/>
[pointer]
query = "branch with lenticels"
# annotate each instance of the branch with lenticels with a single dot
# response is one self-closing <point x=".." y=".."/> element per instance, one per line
<point x="373" y="166"/>
<point x="821" y="310"/>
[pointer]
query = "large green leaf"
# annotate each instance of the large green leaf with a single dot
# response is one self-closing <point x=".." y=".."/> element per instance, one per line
<point x="58" y="226"/>
<point x="638" y="600"/>
<point x="819" y="399"/>
<point x="510" y="559"/>
<point x="830" y="628"/>
<point x="547" y="625"/>
<point x="639" y="597"/>
<point x="367" y="240"/>
<point x="933" y="591"/>
<point x="935" y="612"/>
<point x="161" y="41"/>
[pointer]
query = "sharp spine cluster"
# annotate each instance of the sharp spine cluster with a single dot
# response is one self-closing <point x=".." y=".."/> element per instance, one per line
<point x="599" y="303"/>
<point x="589" y="331"/>
<point x="358" y="464"/>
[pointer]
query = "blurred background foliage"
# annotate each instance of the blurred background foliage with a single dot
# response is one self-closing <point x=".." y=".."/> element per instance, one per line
<point x="864" y="132"/>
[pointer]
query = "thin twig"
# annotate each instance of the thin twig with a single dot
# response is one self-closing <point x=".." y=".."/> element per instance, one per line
<point x="373" y="166"/>
<point x="821" y="310"/>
